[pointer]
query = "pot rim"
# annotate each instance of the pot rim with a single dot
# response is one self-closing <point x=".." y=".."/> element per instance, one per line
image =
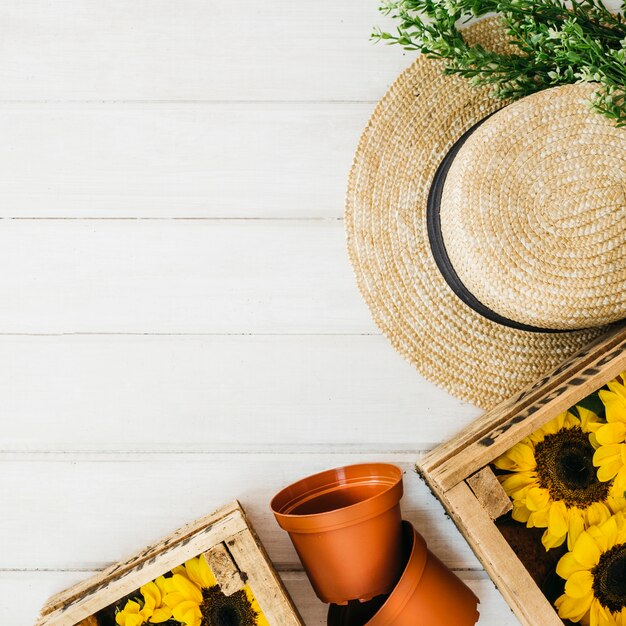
<point x="408" y="583"/>
<point x="316" y="485"/>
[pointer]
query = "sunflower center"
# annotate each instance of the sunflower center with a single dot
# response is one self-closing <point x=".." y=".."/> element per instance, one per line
<point x="565" y="468"/>
<point x="609" y="578"/>
<point x="218" y="609"/>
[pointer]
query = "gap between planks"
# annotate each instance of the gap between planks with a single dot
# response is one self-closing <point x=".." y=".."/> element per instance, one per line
<point x="171" y="218"/>
<point x="401" y="454"/>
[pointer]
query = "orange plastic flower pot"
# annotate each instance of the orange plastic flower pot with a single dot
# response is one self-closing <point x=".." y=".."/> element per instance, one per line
<point x="428" y="592"/>
<point x="345" y="524"/>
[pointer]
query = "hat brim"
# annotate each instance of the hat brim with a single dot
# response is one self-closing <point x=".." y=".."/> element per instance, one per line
<point x="412" y="128"/>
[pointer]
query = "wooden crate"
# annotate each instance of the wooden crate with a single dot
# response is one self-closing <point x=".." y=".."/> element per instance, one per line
<point x="231" y="548"/>
<point x="459" y="473"/>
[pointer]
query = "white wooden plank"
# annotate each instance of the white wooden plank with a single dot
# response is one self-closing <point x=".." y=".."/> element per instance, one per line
<point x="193" y="49"/>
<point x="229" y="392"/>
<point x="177" y="277"/>
<point x="57" y="505"/>
<point x="23" y="592"/>
<point x="177" y="160"/>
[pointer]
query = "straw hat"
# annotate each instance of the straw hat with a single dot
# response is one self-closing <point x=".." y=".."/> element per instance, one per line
<point x="489" y="244"/>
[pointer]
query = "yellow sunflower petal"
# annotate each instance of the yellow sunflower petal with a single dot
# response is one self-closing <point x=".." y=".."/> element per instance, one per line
<point x="188" y="613"/>
<point x="207" y="576"/>
<point x="200" y="573"/>
<point x="579" y="584"/>
<point x="610" y="532"/>
<point x="130" y="614"/>
<point x="606" y="452"/>
<point x="551" y="540"/>
<point x="520" y="513"/>
<point x="152" y="597"/>
<point x="161" y="583"/>
<point x="586" y="551"/>
<point x="173" y="598"/>
<point x="588" y="419"/>
<point x="614" y="501"/>
<point x="609" y="469"/>
<point x="186" y="588"/>
<point x="180" y="569"/>
<point x="597" y="513"/>
<point x="553" y="426"/>
<point x="558" y="518"/>
<point x="514" y="483"/>
<point x="568" y="565"/>
<point x="572" y="608"/>
<point x="614" y="432"/>
<point x="571" y="421"/>
<point x="161" y="615"/>
<point x="131" y="619"/>
<point x="132" y="607"/>
<point x="614" y="404"/>
<point x="519" y="457"/>
<point x="601" y="616"/>
<point x="575" y="527"/>
<point x="537" y="499"/>
<point x="616" y="386"/>
<point x="539" y="519"/>
<point x="619" y="484"/>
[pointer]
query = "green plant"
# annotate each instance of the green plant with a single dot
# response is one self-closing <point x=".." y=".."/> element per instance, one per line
<point x="555" y="43"/>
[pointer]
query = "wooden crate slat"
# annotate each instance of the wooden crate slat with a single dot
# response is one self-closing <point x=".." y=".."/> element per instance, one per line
<point x="268" y="589"/>
<point x="224" y="569"/>
<point x="210" y="535"/>
<point x="489" y="492"/>
<point x="498" y="558"/>
<point x="460" y="475"/>
<point x="497" y="430"/>
<point x="225" y="517"/>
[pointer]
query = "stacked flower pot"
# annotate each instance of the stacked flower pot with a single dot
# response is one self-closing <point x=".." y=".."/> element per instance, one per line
<point x="370" y="566"/>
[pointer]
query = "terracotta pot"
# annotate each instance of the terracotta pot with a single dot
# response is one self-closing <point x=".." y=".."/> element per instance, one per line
<point x="345" y="524"/>
<point x="427" y="593"/>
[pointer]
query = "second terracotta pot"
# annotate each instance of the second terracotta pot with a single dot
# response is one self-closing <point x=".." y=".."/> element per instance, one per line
<point x="345" y="524"/>
<point x="428" y="593"/>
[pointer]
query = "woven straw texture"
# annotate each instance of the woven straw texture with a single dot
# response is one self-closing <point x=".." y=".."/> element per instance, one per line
<point x="411" y="129"/>
<point x="533" y="212"/>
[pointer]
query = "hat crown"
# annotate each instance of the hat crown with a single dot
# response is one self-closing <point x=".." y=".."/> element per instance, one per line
<point x="533" y="212"/>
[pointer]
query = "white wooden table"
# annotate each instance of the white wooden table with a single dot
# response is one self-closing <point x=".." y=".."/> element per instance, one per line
<point x="179" y="323"/>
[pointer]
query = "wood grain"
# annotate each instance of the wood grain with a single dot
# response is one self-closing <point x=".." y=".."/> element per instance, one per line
<point x="133" y="499"/>
<point x="232" y="393"/>
<point x="163" y="160"/>
<point x="278" y="277"/>
<point x="228" y="525"/>
<point x="505" y="569"/>
<point x="489" y="493"/>
<point x="177" y="364"/>
<point x="194" y="50"/>
<point x="224" y="569"/>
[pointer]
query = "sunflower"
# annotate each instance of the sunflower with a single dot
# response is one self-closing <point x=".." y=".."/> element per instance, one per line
<point x="610" y="457"/>
<point x="149" y="608"/>
<point x="552" y="480"/>
<point x="184" y="598"/>
<point x="595" y="575"/>
<point x="196" y="599"/>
